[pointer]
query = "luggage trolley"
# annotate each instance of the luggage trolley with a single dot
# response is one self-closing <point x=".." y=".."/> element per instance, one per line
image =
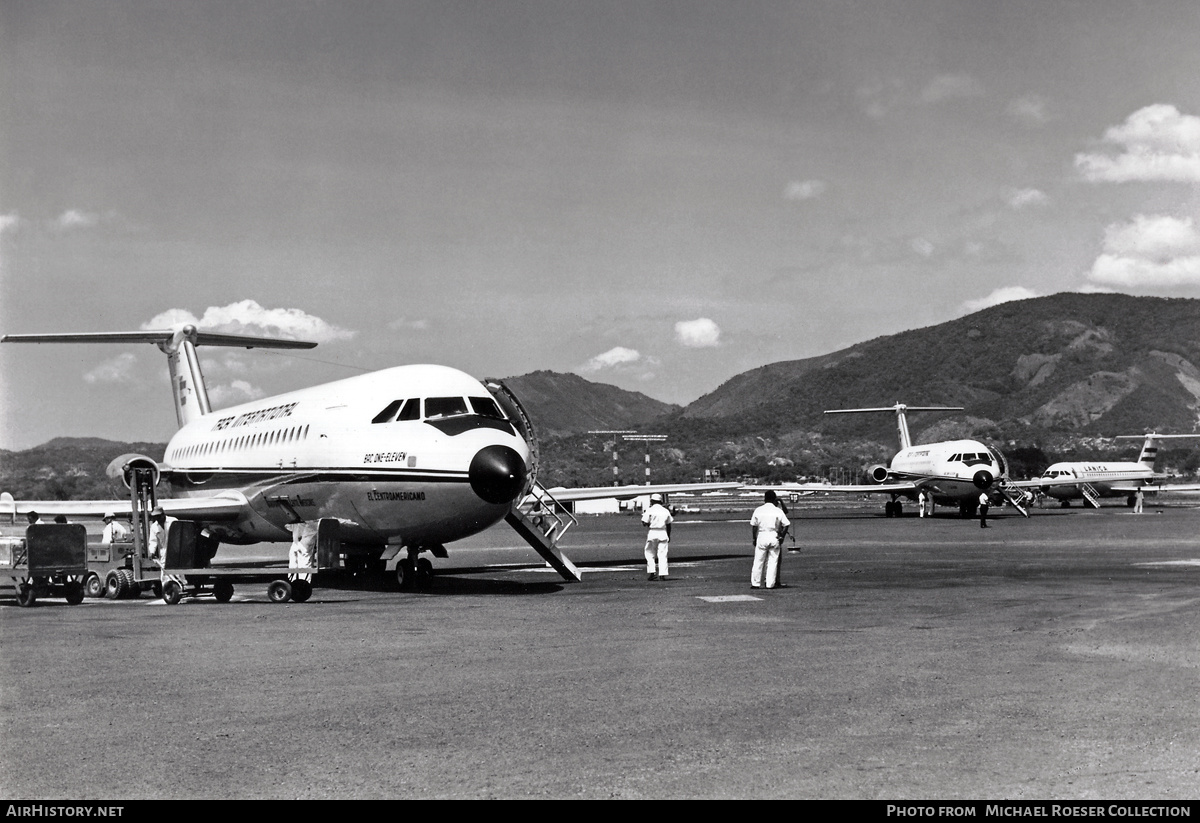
<point x="50" y="562"/>
<point x="182" y="578"/>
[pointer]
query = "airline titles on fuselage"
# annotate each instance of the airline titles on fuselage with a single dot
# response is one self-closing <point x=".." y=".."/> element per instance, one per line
<point x="385" y="457"/>
<point x="273" y="413"/>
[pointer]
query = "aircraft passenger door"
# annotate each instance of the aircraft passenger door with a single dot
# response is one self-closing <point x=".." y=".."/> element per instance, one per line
<point x="329" y="543"/>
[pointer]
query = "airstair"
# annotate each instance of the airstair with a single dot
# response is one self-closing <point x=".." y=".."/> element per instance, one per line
<point x="542" y="521"/>
<point x="537" y="516"/>
<point x="1090" y="495"/>
<point x="1017" y="497"/>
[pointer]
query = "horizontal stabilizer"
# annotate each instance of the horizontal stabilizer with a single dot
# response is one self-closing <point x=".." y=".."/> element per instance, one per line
<point x="202" y="338"/>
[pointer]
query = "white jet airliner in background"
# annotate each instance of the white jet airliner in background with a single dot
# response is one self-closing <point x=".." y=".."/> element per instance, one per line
<point x="411" y="457"/>
<point x="1098" y="478"/>
<point x="953" y="472"/>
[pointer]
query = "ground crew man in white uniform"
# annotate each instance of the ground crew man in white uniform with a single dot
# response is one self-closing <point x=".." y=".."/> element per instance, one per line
<point x="114" y="530"/>
<point x="768" y="524"/>
<point x="304" y="541"/>
<point x="658" y="518"/>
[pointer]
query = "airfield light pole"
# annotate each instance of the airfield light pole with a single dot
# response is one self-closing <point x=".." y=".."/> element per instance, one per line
<point x="647" y="439"/>
<point x="616" y="439"/>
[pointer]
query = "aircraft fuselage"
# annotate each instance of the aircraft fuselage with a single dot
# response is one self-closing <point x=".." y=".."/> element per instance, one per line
<point x="409" y="455"/>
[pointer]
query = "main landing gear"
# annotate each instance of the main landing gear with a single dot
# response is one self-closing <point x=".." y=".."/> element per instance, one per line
<point x="414" y="572"/>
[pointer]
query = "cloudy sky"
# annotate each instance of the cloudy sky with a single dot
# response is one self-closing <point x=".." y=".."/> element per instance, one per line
<point x="657" y="195"/>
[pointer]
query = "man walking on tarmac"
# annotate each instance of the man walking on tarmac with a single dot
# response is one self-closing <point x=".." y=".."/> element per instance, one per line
<point x="658" y="539"/>
<point x="984" y="502"/>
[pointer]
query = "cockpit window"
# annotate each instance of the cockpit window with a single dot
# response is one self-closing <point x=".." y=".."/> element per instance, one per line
<point x="411" y="410"/>
<point x="439" y="407"/>
<point x="388" y="413"/>
<point x="486" y="407"/>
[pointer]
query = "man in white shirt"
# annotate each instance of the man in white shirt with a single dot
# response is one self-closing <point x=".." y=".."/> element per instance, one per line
<point x="658" y="519"/>
<point x="156" y="543"/>
<point x="768" y="525"/>
<point x="984" y="502"/>
<point x="304" y="542"/>
<point x="114" y="531"/>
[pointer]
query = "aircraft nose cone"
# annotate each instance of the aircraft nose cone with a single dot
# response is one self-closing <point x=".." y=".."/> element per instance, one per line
<point x="982" y="479"/>
<point x="497" y="474"/>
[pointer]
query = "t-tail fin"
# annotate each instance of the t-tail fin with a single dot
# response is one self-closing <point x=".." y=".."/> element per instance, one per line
<point x="901" y="419"/>
<point x="187" y="381"/>
<point x="1150" y="441"/>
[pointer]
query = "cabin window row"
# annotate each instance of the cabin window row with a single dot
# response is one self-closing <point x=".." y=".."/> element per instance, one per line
<point x="249" y="441"/>
<point x="437" y="408"/>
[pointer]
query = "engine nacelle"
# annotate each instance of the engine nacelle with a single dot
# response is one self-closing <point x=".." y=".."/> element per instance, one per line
<point x="878" y="473"/>
<point x="982" y="479"/>
<point x="122" y="468"/>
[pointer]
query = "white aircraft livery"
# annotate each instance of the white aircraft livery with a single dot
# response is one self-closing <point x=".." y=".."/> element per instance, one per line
<point x="951" y="472"/>
<point x="411" y="457"/>
<point x="1098" y="478"/>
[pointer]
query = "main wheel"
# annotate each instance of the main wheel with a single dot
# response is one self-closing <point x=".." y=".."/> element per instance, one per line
<point x="301" y="590"/>
<point x="25" y="595"/>
<point x="132" y="588"/>
<point x="74" y="592"/>
<point x="405" y="574"/>
<point x="424" y="572"/>
<point x="223" y="591"/>
<point x="93" y="586"/>
<point x="114" y="585"/>
<point x="280" y="591"/>
<point x="172" y="592"/>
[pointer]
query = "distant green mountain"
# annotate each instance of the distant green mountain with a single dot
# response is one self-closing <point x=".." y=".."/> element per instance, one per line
<point x="566" y="403"/>
<point x="1080" y="364"/>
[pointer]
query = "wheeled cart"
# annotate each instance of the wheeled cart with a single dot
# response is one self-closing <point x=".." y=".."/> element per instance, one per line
<point x="50" y="562"/>
<point x="182" y="577"/>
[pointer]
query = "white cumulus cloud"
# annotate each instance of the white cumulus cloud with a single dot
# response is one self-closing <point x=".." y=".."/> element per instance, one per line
<point x="698" y="333"/>
<point x="804" y="189"/>
<point x="1032" y="110"/>
<point x="119" y="369"/>
<point x="8" y="222"/>
<point x="76" y="219"/>
<point x="1002" y="295"/>
<point x="1150" y="250"/>
<point x="1024" y="198"/>
<point x="237" y="391"/>
<point x="248" y="317"/>
<point x="951" y="86"/>
<point x="1155" y="143"/>
<point x="616" y="356"/>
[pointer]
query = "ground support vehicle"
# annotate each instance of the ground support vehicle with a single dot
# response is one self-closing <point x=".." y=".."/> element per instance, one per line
<point x="113" y="573"/>
<point x="49" y="562"/>
<point x="183" y="577"/>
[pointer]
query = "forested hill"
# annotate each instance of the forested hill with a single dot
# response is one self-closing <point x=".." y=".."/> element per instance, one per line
<point x="566" y="403"/>
<point x="1098" y="364"/>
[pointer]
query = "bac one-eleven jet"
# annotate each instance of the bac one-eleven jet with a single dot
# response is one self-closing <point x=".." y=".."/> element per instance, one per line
<point x="953" y="472"/>
<point x="1099" y="478"/>
<point x="406" y="458"/>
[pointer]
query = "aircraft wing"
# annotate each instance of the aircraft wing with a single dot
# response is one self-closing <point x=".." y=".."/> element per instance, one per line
<point x="1156" y="489"/>
<point x="565" y="495"/>
<point x="851" y="488"/>
<point x="228" y="507"/>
